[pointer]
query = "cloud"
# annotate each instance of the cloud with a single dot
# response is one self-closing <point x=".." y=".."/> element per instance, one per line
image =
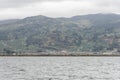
<point x="56" y="8"/>
<point x="15" y="3"/>
<point x="19" y="3"/>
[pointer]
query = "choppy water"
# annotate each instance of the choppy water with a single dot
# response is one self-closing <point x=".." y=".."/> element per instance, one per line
<point x="59" y="68"/>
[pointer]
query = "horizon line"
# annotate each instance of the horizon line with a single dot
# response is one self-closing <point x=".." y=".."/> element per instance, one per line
<point x="59" y="17"/>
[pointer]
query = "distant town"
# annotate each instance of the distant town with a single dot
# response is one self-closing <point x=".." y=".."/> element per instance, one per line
<point x="61" y="53"/>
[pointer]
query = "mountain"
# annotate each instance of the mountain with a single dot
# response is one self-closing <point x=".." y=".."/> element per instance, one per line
<point x="8" y="21"/>
<point x="90" y="33"/>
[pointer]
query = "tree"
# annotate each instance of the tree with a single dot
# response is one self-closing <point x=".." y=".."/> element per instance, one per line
<point x="8" y="51"/>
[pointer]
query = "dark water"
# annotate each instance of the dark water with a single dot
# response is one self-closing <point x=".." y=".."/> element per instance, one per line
<point x="59" y="68"/>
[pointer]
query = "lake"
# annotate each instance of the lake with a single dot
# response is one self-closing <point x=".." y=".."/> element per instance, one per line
<point x="59" y="68"/>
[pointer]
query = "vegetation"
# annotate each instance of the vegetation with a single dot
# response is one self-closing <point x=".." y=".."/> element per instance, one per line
<point x="90" y="33"/>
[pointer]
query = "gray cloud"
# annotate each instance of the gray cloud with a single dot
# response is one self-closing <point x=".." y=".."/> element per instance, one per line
<point x="15" y="3"/>
<point x="18" y="3"/>
<point x="56" y="8"/>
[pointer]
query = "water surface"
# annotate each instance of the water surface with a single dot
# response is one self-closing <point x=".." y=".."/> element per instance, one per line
<point x="59" y="68"/>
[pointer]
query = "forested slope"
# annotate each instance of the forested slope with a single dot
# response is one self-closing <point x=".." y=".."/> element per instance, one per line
<point x="93" y="32"/>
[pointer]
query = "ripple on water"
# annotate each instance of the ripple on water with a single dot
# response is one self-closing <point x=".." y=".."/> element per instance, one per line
<point x="59" y="68"/>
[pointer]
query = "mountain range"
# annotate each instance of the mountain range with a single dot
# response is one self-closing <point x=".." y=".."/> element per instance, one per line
<point x="90" y="33"/>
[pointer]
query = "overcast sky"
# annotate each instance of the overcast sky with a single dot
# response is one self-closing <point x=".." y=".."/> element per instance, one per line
<point x="10" y="9"/>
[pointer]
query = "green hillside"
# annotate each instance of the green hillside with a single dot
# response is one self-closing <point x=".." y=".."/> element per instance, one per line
<point x="91" y="33"/>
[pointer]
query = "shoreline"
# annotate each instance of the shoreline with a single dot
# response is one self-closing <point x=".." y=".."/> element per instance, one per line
<point x="59" y="55"/>
<point x="62" y="54"/>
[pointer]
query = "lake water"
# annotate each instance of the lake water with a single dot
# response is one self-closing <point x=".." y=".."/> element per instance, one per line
<point x="59" y="68"/>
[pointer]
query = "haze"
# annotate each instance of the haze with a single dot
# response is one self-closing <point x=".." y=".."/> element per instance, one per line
<point x="12" y="9"/>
